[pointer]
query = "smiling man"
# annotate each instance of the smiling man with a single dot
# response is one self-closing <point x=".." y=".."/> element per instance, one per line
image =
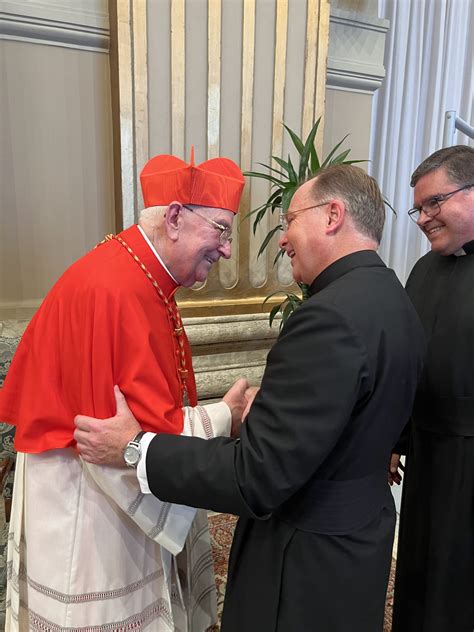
<point x="87" y="550"/>
<point x="435" y="567"/>
<point x="308" y="475"/>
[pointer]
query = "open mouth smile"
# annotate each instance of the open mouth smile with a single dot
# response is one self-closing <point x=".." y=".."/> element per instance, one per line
<point x="434" y="230"/>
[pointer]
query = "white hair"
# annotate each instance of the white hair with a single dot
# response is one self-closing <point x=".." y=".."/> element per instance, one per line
<point x="152" y="213"/>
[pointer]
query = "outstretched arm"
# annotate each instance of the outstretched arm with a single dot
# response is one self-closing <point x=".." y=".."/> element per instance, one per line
<point x="102" y="441"/>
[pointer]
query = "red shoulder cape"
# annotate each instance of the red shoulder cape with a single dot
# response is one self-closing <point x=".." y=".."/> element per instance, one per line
<point x="101" y="324"/>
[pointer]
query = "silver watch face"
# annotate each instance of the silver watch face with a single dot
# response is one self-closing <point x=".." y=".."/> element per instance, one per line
<point x="131" y="455"/>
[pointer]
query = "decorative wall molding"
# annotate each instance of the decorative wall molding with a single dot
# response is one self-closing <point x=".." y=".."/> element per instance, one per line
<point x="219" y="330"/>
<point x="228" y="347"/>
<point x="353" y="80"/>
<point x="55" y="24"/>
<point x="214" y="75"/>
<point x="356" y="52"/>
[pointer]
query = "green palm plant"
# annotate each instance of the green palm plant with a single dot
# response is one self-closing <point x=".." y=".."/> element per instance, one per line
<point x="284" y="183"/>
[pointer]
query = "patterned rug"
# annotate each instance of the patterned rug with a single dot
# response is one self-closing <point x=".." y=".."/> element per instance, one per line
<point x="222" y="529"/>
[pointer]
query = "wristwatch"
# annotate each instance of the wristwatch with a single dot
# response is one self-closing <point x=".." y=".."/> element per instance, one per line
<point x="132" y="451"/>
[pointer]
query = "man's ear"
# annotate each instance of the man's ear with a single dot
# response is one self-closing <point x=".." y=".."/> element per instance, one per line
<point x="335" y="215"/>
<point x="173" y="220"/>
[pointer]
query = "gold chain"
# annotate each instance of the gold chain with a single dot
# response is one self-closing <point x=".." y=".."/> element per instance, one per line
<point x="174" y="313"/>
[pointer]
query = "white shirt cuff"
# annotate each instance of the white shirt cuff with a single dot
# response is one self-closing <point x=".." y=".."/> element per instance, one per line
<point x="141" y="468"/>
<point x="212" y="420"/>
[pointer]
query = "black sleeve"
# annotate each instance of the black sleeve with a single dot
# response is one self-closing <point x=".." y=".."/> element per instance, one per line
<point x="315" y="374"/>
<point x="401" y="447"/>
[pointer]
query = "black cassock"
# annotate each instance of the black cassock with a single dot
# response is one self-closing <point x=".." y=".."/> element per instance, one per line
<point x="434" y="589"/>
<point x="308" y="476"/>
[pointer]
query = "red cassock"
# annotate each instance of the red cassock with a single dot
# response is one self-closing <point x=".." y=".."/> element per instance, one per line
<point x="103" y="323"/>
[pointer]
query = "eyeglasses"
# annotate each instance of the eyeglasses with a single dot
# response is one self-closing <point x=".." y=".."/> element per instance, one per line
<point x="432" y="207"/>
<point x="286" y="218"/>
<point x="225" y="231"/>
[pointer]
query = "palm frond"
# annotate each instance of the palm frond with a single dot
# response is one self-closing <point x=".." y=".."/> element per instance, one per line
<point x="267" y="239"/>
<point x="285" y="165"/>
<point x="328" y="159"/>
<point x="284" y="182"/>
<point x="307" y="151"/>
<point x="279" y="255"/>
<point x="297" y="142"/>
<point x="280" y="173"/>
<point x="315" y="166"/>
<point x="264" y="176"/>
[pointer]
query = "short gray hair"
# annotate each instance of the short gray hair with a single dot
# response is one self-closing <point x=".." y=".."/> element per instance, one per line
<point x="456" y="161"/>
<point x="360" y="193"/>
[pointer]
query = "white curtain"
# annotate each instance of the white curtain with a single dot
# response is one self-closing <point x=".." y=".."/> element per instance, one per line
<point x="429" y="65"/>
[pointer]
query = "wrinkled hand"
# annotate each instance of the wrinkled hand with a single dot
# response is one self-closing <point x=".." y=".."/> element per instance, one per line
<point x="249" y="396"/>
<point x="394" y="473"/>
<point x="102" y="441"/>
<point x="236" y="401"/>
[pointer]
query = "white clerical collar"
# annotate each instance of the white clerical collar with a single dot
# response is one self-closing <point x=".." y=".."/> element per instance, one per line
<point x="467" y="249"/>
<point x="155" y="252"/>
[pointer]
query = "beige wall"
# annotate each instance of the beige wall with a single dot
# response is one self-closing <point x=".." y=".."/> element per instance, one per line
<point x="355" y="73"/>
<point x="222" y="76"/>
<point x="56" y="189"/>
<point x="348" y="113"/>
<point x="56" y="172"/>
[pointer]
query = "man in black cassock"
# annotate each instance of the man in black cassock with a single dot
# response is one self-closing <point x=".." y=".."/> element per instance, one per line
<point x="308" y="475"/>
<point x="434" y="590"/>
